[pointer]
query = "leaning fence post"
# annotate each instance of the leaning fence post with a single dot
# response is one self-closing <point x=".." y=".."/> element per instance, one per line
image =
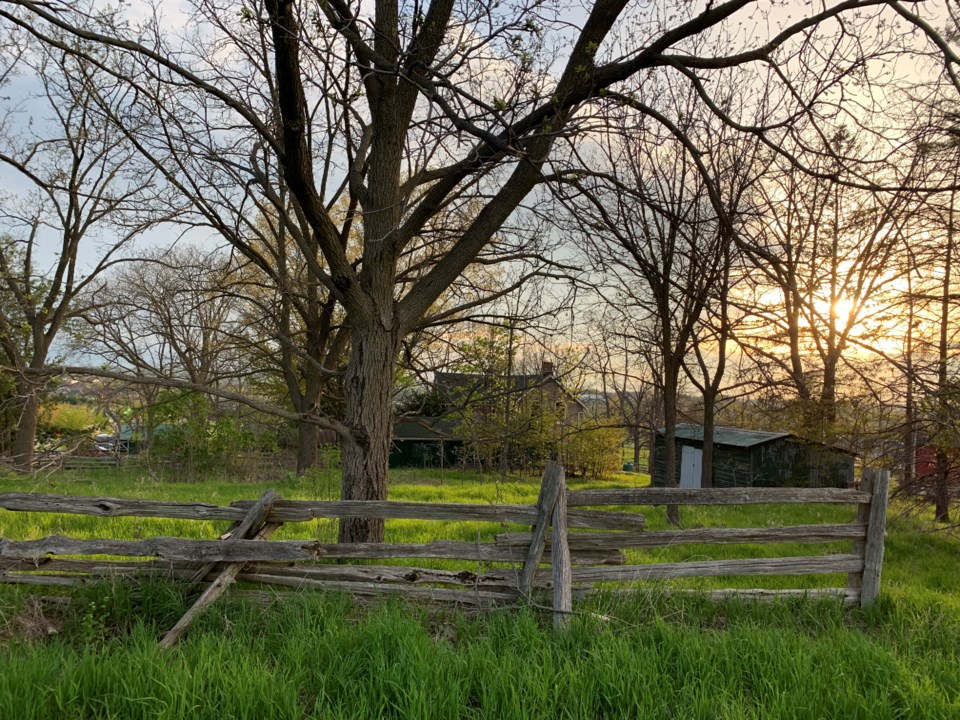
<point x="560" y="560"/>
<point x="876" y="529"/>
<point x="256" y="516"/>
<point x="552" y="480"/>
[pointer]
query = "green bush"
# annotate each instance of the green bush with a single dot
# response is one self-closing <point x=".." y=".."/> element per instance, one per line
<point x="595" y="449"/>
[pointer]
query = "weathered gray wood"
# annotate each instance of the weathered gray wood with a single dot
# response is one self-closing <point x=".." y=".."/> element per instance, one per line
<point x="552" y="482"/>
<point x="714" y="496"/>
<point x="209" y="551"/>
<point x="213" y="591"/>
<point x="456" y="550"/>
<point x="560" y="562"/>
<point x="48" y="580"/>
<point x="305" y="510"/>
<point x="201" y="551"/>
<point x="841" y="594"/>
<point x="759" y="594"/>
<point x="466" y="597"/>
<point x="116" y="507"/>
<point x="792" y="534"/>
<point x="160" y="568"/>
<point x="814" y="565"/>
<point x="605" y="520"/>
<point x="876" y="529"/>
<point x="855" y="579"/>
<point x="394" y="574"/>
<point x="250" y="525"/>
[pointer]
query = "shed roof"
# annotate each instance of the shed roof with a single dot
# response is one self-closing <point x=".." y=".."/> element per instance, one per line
<point x="734" y="437"/>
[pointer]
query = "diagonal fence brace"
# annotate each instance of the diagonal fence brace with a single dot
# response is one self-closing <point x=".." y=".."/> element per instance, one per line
<point x="251" y="526"/>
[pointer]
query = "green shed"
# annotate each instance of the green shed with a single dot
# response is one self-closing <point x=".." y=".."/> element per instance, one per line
<point x="420" y="441"/>
<point x="751" y="458"/>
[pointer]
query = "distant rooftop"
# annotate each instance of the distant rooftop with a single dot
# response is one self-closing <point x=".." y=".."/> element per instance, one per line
<point x="734" y="437"/>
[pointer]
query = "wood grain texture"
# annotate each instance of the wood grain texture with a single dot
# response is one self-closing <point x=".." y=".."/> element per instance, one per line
<point x="392" y="574"/>
<point x="167" y="548"/>
<point x="876" y="530"/>
<point x="553" y="477"/>
<point x="714" y="496"/>
<point x="561" y="570"/>
<point x="840" y="594"/>
<point x="306" y="510"/>
<point x="466" y="597"/>
<point x="660" y="538"/>
<point x="809" y="565"/>
<point x="855" y="579"/>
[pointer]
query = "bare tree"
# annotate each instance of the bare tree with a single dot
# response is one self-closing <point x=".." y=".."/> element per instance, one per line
<point x="170" y="314"/>
<point x="653" y="232"/>
<point x="78" y="209"/>
<point x="822" y="255"/>
<point x="461" y="104"/>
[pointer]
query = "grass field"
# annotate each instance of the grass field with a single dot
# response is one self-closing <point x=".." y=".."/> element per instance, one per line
<point x="323" y="656"/>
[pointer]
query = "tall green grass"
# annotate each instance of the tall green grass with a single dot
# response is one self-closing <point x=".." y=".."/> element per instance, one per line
<point x="317" y="656"/>
<point x="321" y="655"/>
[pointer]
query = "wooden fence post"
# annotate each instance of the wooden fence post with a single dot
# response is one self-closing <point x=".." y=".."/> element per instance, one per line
<point x="549" y="488"/>
<point x="867" y="482"/>
<point x="560" y="560"/>
<point x="876" y="529"/>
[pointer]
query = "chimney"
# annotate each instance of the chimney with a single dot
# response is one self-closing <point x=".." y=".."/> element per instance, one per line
<point x="546" y="368"/>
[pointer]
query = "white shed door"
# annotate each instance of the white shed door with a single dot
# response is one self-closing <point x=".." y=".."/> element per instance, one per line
<point x="690" y="462"/>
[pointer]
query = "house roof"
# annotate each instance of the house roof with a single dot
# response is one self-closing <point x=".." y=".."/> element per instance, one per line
<point x="734" y="437"/>
<point x="464" y="387"/>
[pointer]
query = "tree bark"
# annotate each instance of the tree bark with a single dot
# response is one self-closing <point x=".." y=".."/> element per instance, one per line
<point x="306" y="446"/>
<point x="26" y="436"/>
<point x="941" y="488"/>
<point x="670" y="437"/>
<point x="369" y="419"/>
<point x="706" y="466"/>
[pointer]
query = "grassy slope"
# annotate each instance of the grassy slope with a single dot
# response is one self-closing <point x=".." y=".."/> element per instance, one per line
<point x="319" y="656"/>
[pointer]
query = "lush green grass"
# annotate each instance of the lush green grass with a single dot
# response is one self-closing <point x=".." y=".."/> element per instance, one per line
<point x="311" y="656"/>
<point x="319" y="655"/>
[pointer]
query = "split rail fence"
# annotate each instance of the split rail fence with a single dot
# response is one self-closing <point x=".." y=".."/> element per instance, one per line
<point x="568" y="551"/>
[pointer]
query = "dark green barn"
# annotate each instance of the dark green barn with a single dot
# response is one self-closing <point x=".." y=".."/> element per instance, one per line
<point x="424" y="442"/>
<point x="750" y="458"/>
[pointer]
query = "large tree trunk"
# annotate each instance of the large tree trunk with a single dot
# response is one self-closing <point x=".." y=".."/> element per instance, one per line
<point x="369" y="419"/>
<point x="26" y="436"/>
<point x="306" y="446"/>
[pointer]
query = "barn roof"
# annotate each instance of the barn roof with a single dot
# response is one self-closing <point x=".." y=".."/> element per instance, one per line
<point x="419" y="427"/>
<point x="733" y="437"/>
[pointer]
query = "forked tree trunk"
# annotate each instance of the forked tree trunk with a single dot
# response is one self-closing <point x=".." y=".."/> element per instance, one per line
<point x="369" y="419"/>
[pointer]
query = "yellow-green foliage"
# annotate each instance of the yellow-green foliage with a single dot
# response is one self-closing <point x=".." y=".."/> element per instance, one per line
<point x="595" y="449"/>
<point x="61" y="417"/>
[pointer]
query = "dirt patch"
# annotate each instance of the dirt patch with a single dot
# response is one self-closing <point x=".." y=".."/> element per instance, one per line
<point x="32" y="621"/>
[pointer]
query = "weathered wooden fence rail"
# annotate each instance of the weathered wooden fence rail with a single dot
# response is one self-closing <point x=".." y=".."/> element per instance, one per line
<point x="582" y="547"/>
